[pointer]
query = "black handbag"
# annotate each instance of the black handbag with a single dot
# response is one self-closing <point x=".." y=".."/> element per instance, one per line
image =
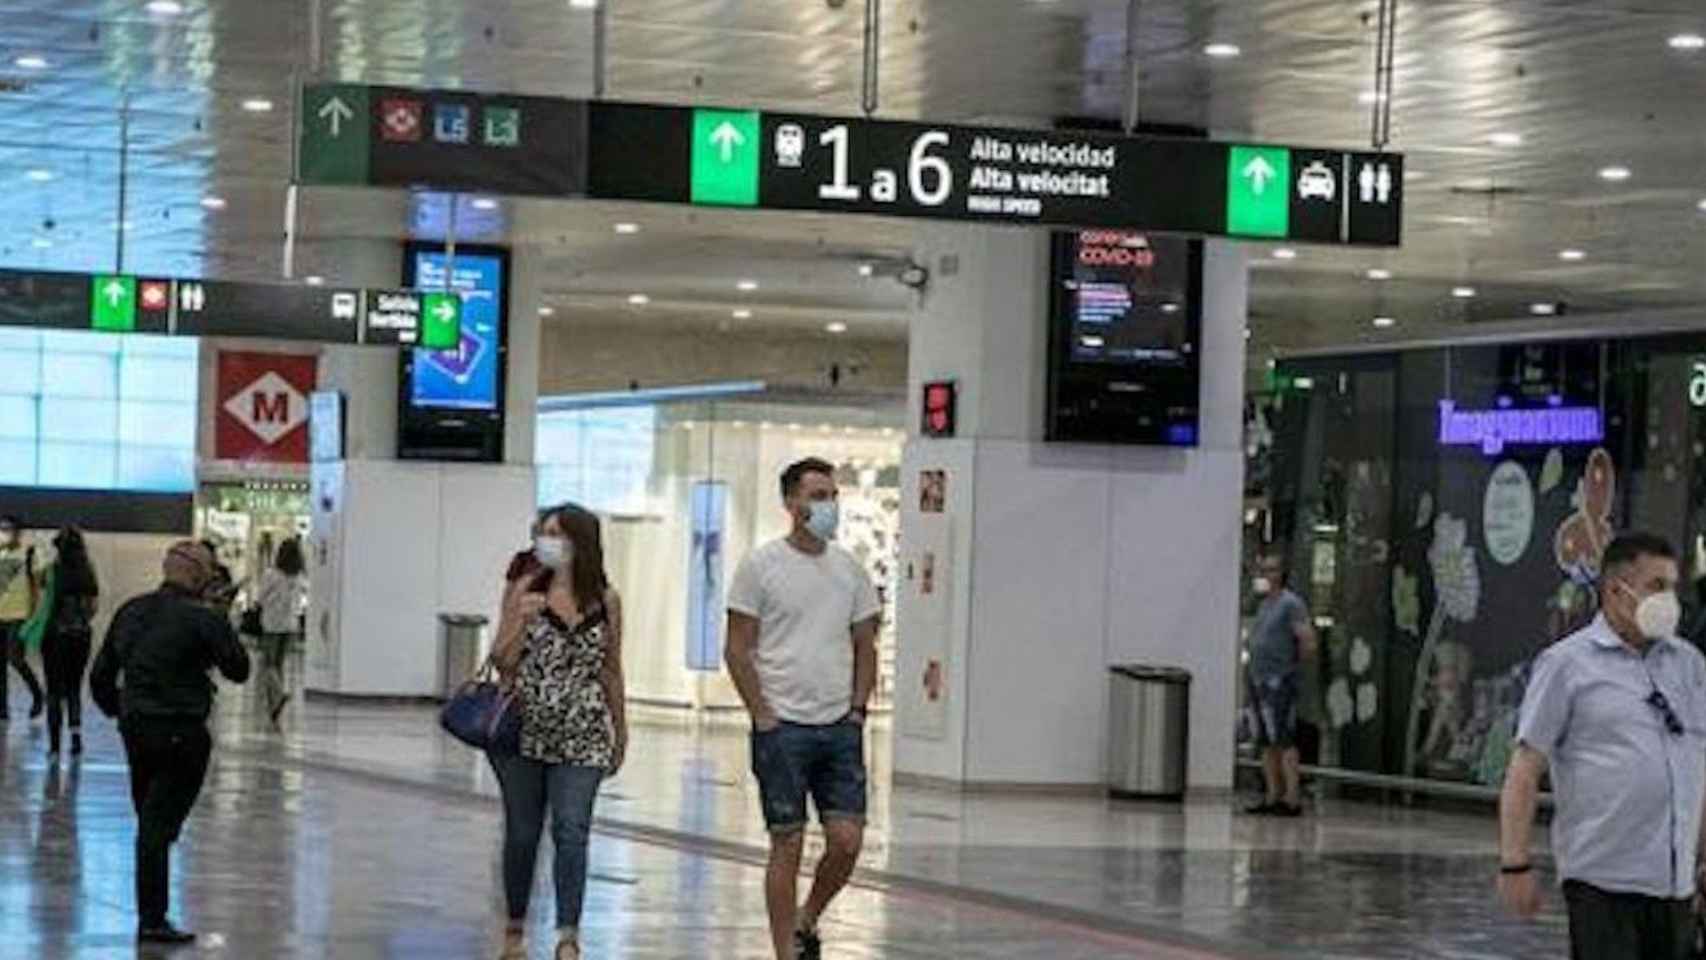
<point x="485" y="714"/>
<point x="249" y="624"/>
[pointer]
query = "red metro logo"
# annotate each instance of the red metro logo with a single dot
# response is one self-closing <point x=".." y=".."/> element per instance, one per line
<point x="263" y="407"/>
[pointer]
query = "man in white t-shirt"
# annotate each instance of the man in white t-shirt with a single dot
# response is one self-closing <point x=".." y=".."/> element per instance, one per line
<point x="802" y="651"/>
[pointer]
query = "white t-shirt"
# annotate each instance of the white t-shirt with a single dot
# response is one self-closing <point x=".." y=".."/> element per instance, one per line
<point x="806" y="607"/>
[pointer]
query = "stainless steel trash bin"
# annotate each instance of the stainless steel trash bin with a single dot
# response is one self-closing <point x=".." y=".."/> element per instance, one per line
<point x="1149" y="731"/>
<point x="460" y="638"/>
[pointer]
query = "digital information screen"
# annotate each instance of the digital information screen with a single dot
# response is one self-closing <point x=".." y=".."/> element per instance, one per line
<point x="1124" y="349"/>
<point x="465" y="378"/>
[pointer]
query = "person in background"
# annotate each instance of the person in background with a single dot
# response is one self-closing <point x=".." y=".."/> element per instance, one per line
<point x="559" y="643"/>
<point x="152" y="674"/>
<point x="18" y="595"/>
<point x="1281" y="638"/>
<point x="802" y="650"/>
<point x="222" y="588"/>
<point x="1617" y="712"/>
<point x="281" y="596"/>
<point x="73" y="593"/>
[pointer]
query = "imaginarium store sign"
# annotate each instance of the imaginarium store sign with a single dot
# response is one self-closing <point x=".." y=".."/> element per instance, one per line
<point x="1492" y="430"/>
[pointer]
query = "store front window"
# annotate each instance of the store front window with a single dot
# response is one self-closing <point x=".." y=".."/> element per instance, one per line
<point x="1444" y="512"/>
<point x="687" y="488"/>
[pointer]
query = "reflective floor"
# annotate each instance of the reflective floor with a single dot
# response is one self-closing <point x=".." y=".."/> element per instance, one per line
<point x="361" y="832"/>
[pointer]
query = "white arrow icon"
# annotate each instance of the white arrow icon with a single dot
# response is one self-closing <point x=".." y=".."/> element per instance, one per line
<point x="445" y="312"/>
<point x="335" y="112"/>
<point x="115" y="293"/>
<point x="727" y="138"/>
<point x="1259" y="172"/>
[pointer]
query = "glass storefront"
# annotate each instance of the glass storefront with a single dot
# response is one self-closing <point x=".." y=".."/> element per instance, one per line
<point x="1444" y="512"/>
<point x="687" y="487"/>
<point x="247" y="520"/>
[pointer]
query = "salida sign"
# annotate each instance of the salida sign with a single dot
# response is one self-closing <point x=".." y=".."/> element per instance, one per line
<point x="263" y="407"/>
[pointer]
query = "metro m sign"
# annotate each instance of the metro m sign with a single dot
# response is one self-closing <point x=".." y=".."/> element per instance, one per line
<point x="263" y="406"/>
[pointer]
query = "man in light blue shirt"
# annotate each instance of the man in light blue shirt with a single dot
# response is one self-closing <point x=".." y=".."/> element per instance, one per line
<point x="1281" y="639"/>
<point x="1618" y="713"/>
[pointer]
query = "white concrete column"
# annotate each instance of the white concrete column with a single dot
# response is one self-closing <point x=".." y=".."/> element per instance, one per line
<point x="1052" y="562"/>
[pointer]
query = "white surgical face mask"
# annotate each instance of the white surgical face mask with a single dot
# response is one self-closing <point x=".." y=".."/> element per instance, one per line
<point x="1658" y="615"/>
<point x="824" y="519"/>
<point x="553" y="552"/>
<point x="1263" y="586"/>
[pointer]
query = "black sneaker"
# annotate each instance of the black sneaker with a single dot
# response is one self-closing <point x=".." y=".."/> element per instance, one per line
<point x="164" y="934"/>
<point x="807" y="945"/>
<point x="1264" y="809"/>
<point x="1290" y="810"/>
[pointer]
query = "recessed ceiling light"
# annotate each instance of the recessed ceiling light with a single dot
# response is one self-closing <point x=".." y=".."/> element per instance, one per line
<point x="213" y="203"/>
<point x="1222" y="51"/>
<point x="870" y="270"/>
<point x="547" y="311"/>
<point x="1615" y="174"/>
<point x="483" y="203"/>
<point x="836" y="327"/>
<point x="1371" y="97"/>
<point x="1379" y="273"/>
<point x="1285" y="253"/>
<point x="41" y="243"/>
<point x="1169" y="308"/>
<point x="584" y="4"/>
<point x="257" y="105"/>
<point x="742" y="314"/>
<point x="165" y="8"/>
<point x="1543" y="309"/>
<point x="747" y="286"/>
<point x="638" y="299"/>
<point x="1384" y="323"/>
<point x="30" y="62"/>
<point x="1572" y="255"/>
<point x="1688" y="41"/>
<point x="40" y="175"/>
<point x="314" y="280"/>
<point x="1505" y="139"/>
<point x="627" y="228"/>
<point x="1701" y="206"/>
<point x="1463" y="293"/>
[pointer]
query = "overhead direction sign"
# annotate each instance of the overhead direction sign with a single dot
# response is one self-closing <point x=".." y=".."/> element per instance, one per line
<point x="112" y="306"/>
<point x="353" y="135"/>
<point x="725" y="157"/>
<point x="1258" y="191"/>
<point x="414" y="318"/>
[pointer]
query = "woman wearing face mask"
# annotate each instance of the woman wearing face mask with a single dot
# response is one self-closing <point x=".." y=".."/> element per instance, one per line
<point x="559" y="643"/>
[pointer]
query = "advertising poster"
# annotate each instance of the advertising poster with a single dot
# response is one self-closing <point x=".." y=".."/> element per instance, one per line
<point x="922" y="696"/>
<point x="705" y="617"/>
<point x="465" y="378"/>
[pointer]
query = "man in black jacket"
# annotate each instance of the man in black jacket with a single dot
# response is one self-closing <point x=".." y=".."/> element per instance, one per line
<point x="163" y="644"/>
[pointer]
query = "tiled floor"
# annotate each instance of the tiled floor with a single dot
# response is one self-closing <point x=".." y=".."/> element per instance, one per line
<point x="364" y="833"/>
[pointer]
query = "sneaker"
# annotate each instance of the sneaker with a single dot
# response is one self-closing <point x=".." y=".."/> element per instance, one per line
<point x="164" y="934"/>
<point x="807" y="945"/>
<point x="1266" y="808"/>
<point x="1290" y="810"/>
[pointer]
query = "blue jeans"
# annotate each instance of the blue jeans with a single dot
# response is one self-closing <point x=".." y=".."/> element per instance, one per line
<point x="826" y="763"/>
<point x="528" y="788"/>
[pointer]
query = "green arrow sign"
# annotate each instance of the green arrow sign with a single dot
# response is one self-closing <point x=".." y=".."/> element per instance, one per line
<point x="441" y="321"/>
<point x="336" y="124"/>
<point x="725" y="157"/>
<point x="1258" y="191"/>
<point x="112" y="303"/>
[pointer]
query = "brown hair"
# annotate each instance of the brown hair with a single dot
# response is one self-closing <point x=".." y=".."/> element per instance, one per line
<point x="585" y="533"/>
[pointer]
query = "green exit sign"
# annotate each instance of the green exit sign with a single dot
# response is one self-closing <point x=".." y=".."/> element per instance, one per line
<point x="1258" y="191"/>
<point x="441" y="321"/>
<point x="725" y="157"/>
<point x="112" y="303"/>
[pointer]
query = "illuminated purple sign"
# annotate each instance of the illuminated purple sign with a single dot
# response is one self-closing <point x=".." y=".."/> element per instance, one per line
<point x="1491" y="430"/>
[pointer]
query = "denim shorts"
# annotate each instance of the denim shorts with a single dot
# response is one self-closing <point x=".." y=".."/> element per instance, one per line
<point x="826" y="763"/>
<point x="1274" y="701"/>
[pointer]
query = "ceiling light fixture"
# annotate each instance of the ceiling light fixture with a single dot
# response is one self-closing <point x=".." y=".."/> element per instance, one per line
<point x="1572" y="255"/>
<point x="40" y="175"/>
<point x="742" y="314"/>
<point x="257" y="105"/>
<point x="627" y="229"/>
<point x="638" y="299"/>
<point x="1371" y="97"/>
<point x="1285" y="253"/>
<point x="41" y="243"/>
<point x="1543" y="309"/>
<point x="1169" y="307"/>
<point x="213" y="203"/>
<point x="30" y="62"/>
<point x="547" y="311"/>
<point x="870" y="270"/>
<point x="483" y="203"/>
<point x="1463" y="293"/>
<point x="1505" y="139"/>
<point x="1379" y="273"/>
<point x="1615" y="174"/>
<point x="1223" y="51"/>
<point x="314" y="280"/>
<point x="583" y="4"/>
<point x="1384" y="323"/>
<point x="747" y="286"/>
<point x="1688" y="41"/>
<point x="165" y="8"/>
<point x="836" y="327"/>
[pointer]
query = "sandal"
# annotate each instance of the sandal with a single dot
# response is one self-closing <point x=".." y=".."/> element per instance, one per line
<point x="568" y="950"/>
<point x="515" y="945"/>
